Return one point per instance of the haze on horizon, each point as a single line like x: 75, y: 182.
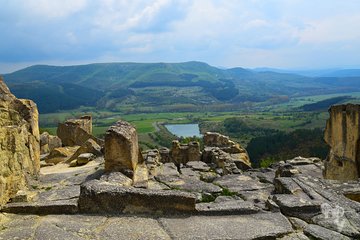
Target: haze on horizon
x: 254, y: 33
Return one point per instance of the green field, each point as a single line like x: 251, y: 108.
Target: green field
x: 285, y: 117
x: 261, y: 124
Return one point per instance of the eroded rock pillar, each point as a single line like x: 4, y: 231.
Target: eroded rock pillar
x: 121, y: 147
x: 342, y: 134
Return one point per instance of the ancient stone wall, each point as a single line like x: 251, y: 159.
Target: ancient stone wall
x: 342, y: 134
x: 19, y: 143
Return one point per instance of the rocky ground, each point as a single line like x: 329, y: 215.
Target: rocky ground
x: 288, y: 201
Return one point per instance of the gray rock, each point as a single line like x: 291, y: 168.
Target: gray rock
x: 338, y: 223
x: 221, y: 199
x: 84, y: 226
x: 258, y: 197
x: 265, y: 175
x: 294, y: 206
x: 168, y: 169
x: 48, y: 207
x: 47, y: 231
x: 17, y: 226
x: 189, y: 184
x: 208, y: 176
x: 90, y: 146
x: 238, y: 183
x: 58, y: 194
x: 303, y: 161
x: 227, y: 208
x: 286, y: 170
x: 190, y: 173
x: 297, y: 223
x: 321, y: 233
x: 313, y: 170
x: 117, y: 178
x: 133, y: 228
x: 286, y: 185
x: 198, y: 166
x: 84, y: 158
x: 102, y: 197
x: 254, y: 226
x: 294, y: 236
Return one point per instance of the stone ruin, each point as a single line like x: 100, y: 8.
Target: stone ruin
x: 114, y: 177
x: 342, y: 134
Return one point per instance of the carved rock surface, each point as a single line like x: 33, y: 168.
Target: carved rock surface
x: 342, y: 134
x: 19, y: 142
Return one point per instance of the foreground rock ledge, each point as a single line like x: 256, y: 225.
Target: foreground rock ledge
x: 101, y: 197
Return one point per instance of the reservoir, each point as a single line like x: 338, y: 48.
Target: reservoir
x: 184, y: 130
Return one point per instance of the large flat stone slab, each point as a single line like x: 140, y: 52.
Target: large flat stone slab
x: 255, y: 226
x: 103, y: 197
x: 227, y: 208
x: 321, y: 233
x: 294, y: 206
x: 238, y: 183
x: 133, y: 228
x: 79, y: 227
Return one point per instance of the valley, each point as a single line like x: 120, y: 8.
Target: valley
x: 275, y: 121
x: 251, y: 106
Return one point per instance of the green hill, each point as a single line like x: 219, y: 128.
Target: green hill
x: 143, y: 87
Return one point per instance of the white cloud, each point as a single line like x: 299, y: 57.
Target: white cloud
x: 53, y: 8
x: 332, y: 29
x: 231, y: 32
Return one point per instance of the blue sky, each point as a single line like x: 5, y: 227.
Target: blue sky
x: 299, y: 34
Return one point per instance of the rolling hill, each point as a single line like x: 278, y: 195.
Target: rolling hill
x: 142, y: 87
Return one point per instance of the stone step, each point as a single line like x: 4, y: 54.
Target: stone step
x: 43, y: 208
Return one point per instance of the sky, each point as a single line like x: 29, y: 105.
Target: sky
x: 290, y: 34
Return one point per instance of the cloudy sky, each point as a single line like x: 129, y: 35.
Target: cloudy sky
x: 300, y: 34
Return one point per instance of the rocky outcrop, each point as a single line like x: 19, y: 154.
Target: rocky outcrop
x: 227, y: 155
x: 49, y: 142
x: 19, y: 141
x: 121, y: 148
x: 75, y: 132
x: 342, y: 134
x: 212, y: 139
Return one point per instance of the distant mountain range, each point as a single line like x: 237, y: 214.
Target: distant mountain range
x: 167, y: 86
x: 333, y: 72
